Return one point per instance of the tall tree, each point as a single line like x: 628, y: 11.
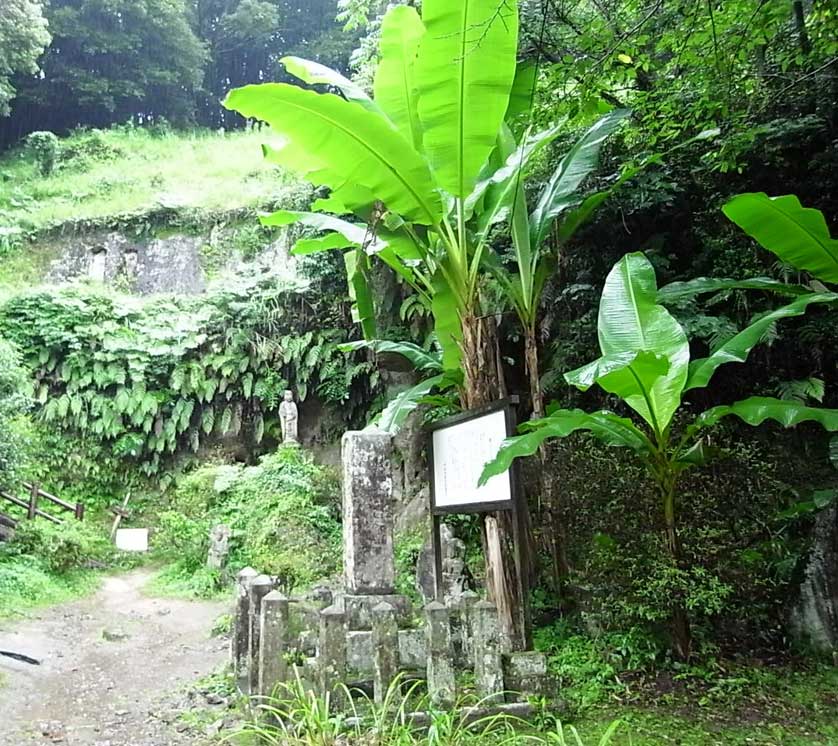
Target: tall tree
x: 113, y: 59
x: 23, y: 38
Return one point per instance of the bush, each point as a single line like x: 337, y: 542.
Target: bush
x: 283, y: 515
x: 45, y: 148
x: 59, y: 548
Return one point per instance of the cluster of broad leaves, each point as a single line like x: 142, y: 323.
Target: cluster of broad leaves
x: 646, y: 361
x: 422, y: 174
x: 159, y: 378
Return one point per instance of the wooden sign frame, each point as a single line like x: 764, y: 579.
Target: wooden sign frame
x: 515, y: 504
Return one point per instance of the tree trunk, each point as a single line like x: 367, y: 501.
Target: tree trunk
x: 800, y: 27
x: 550, y: 505
x: 483, y: 384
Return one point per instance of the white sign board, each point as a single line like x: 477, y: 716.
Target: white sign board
x: 460, y: 451
x: 132, y: 539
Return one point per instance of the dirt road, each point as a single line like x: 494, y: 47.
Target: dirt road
x: 112, y: 666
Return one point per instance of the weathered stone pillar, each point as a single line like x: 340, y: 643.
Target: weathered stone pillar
x: 385, y: 649
x: 331, y: 651
x: 273, y: 642
x: 441, y: 684
x: 368, y: 560
x: 468, y: 600
x: 240, y: 644
x: 260, y: 587
x: 488, y: 662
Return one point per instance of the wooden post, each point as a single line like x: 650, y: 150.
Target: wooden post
x: 79, y: 511
x: 33, y: 502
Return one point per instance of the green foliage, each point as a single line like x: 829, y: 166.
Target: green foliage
x: 15, y: 390
x: 60, y: 548
x: 44, y: 149
x: 23, y: 36
x: 134, y: 180
x: 296, y: 716
x: 119, y: 373
x: 283, y: 515
x: 646, y: 363
x: 110, y: 59
x: 26, y: 583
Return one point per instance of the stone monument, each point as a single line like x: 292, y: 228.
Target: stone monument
x: 368, y: 524
x: 219, y: 547
x: 288, y: 416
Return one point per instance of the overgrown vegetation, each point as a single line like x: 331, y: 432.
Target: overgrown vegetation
x: 114, y: 178
x: 118, y: 371
x: 283, y: 514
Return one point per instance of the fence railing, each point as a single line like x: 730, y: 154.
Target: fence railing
x: 35, y: 497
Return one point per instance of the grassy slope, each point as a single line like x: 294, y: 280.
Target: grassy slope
x: 202, y: 170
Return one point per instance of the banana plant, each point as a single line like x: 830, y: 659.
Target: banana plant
x: 646, y: 363
x: 426, y: 167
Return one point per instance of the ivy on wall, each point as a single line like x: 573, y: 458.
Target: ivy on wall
x: 156, y: 379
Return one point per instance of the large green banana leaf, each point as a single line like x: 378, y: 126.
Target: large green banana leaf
x: 630, y: 375
x: 608, y: 427
x: 758, y: 409
x: 421, y: 359
x: 397, y: 410
x: 465, y: 71
x: 358, y: 145
x: 499, y: 187
x: 314, y: 73
x: 676, y: 291
x: 796, y: 234
x: 447, y: 323
x: 395, y: 79
x: 363, y: 306
x: 344, y: 234
x: 579, y: 162
x: 630, y: 321
x: 738, y: 347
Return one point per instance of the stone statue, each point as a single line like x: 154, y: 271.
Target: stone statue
x: 219, y: 547
x: 288, y: 415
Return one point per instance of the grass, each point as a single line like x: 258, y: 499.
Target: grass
x: 129, y: 171
x: 25, y: 584
x: 781, y: 706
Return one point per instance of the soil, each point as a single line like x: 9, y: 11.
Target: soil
x: 114, y: 668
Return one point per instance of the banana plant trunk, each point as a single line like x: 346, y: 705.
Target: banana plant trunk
x: 484, y: 384
x: 681, y: 631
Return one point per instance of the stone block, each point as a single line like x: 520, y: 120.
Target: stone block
x: 526, y: 673
x: 413, y: 649
x: 359, y: 609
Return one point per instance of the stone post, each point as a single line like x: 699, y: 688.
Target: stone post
x: 368, y: 560
x: 331, y: 652
x: 467, y: 603
x: 441, y: 684
x: 385, y: 649
x: 260, y: 587
x: 488, y: 662
x: 273, y: 643
x: 240, y: 645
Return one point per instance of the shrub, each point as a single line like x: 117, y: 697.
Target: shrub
x: 59, y: 548
x: 45, y: 148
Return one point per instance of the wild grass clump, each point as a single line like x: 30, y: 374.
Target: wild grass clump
x: 296, y: 716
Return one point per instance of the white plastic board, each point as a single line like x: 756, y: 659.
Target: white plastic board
x: 460, y: 452
x: 132, y: 539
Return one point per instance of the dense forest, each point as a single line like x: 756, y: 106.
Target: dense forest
x: 634, y: 234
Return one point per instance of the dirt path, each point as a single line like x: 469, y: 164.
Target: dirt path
x: 111, y: 667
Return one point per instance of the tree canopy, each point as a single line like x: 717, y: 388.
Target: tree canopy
x: 23, y: 37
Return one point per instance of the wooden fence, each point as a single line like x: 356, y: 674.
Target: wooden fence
x: 30, y: 504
